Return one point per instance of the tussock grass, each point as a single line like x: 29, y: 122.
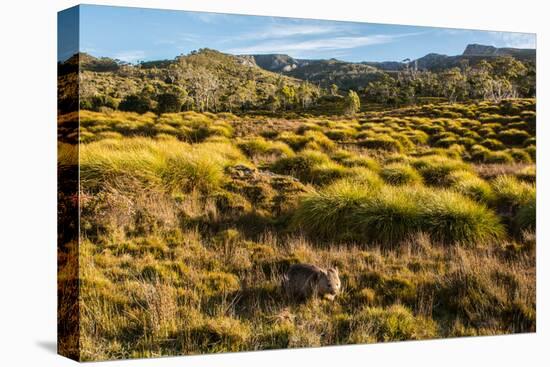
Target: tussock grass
x: 400, y: 174
x: 172, y: 165
x: 468, y: 184
x: 189, y: 221
x: 436, y: 170
x: 258, y: 147
x: 510, y: 193
x: 347, y: 212
x: 382, y: 142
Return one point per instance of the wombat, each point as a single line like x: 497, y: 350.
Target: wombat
x: 303, y: 281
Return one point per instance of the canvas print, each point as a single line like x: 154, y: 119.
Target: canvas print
x: 241, y: 183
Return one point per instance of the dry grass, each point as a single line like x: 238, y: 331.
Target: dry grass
x: 189, y: 221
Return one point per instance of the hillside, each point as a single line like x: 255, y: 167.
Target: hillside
x: 483, y: 50
x: 357, y: 75
x: 473, y: 54
x: 209, y: 80
x: 202, y: 80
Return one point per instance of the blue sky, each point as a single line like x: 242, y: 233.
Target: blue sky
x: 134, y: 34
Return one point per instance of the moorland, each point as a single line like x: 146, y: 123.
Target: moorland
x: 202, y: 179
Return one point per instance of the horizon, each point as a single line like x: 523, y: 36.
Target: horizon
x: 138, y: 35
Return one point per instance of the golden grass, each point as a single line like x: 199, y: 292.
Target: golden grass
x: 189, y: 221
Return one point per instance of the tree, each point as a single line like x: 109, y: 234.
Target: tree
x: 287, y: 94
x: 352, y: 103
x: 453, y: 84
x: 383, y: 90
x: 136, y: 103
x: 168, y: 102
x: 333, y: 89
x: 305, y: 94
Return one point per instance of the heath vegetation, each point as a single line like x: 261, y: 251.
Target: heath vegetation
x: 194, y: 205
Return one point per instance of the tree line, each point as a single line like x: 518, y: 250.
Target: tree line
x: 207, y: 80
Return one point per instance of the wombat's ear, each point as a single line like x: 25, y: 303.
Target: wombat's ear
x: 335, y: 269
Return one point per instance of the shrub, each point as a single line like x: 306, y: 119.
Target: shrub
x: 319, y: 141
x: 301, y: 164
x: 168, y: 102
x: 453, y: 218
x: 478, y: 153
x: 400, y: 174
x: 532, y: 150
x: 296, y: 142
x: 136, y: 103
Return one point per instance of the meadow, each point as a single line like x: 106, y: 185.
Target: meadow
x: 190, y: 219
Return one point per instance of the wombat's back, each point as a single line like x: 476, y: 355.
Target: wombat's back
x: 301, y: 280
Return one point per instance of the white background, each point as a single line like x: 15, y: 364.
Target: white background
x: 28, y: 181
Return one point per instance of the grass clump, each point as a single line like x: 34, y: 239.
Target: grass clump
x: 396, y: 323
x: 526, y: 217
x: 498, y: 157
x: 170, y: 165
x: 468, y: 184
x: 510, y: 193
x: 528, y: 174
x: 346, y: 211
x: 309, y: 166
x: 436, y: 169
x: 400, y: 174
x: 221, y: 334
x: 384, y: 143
x: 260, y: 147
x: 513, y: 137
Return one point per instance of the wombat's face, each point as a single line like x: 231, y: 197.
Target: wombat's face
x: 331, y: 282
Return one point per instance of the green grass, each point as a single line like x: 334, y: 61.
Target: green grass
x: 510, y: 193
x: 468, y: 184
x: 172, y: 165
x: 189, y: 221
x: 382, y: 142
x: 346, y: 211
x: 436, y: 169
x: 400, y: 174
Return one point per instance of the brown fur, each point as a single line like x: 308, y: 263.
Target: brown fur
x: 303, y: 281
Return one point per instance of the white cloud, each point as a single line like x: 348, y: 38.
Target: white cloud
x: 130, y: 55
x: 288, y: 30
x: 516, y: 40
x: 322, y: 44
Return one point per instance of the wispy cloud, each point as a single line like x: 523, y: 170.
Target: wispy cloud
x: 517, y: 40
x: 179, y: 38
x: 321, y: 44
x: 277, y: 31
x: 130, y: 55
x: 210, y: 18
